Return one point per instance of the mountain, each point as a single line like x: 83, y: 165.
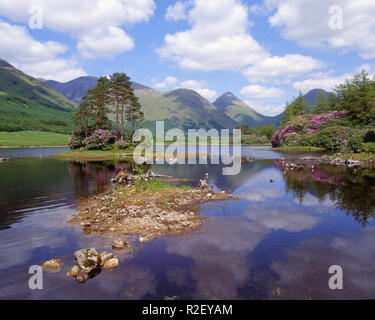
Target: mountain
x: 28, y: 104
x: 239, y: 111
x: 75, y: 89
x: 312, y: 96
x: 181, y: 108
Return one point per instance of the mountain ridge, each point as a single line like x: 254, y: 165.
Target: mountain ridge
x: 28, y: 104
x: 242, y: 113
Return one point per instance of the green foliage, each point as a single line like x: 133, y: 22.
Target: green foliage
x: 357, y: 97
x: 93, y: 111
x: 297, y: 108
x: 321, y: 105
x: 334, y: 138
x: 266, y: 130
x: 368, y: 147
x: 134, y: 113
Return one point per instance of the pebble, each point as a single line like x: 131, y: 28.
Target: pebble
x: 53, y: 266
x: 118, y: 244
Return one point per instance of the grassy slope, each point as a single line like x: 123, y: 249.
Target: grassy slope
x: 26, y: 103
x: 32, y: 138
x: 183, y: 107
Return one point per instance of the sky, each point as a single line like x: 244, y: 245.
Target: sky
x: 265, y: 51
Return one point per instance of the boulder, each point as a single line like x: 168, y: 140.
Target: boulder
x: 87, y: 259
x: 53, y: 266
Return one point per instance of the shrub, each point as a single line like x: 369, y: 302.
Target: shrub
x: 255, y: 139
x: 368, y: 147
x: 76, y: 140
x: 99, y: 140
x: 121, y: 145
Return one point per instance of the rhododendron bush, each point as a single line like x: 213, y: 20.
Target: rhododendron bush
x: 322, y: 131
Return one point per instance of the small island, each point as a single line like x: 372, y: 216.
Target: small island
x: 144, y: 205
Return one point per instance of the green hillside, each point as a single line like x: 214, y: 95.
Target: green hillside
x: 32, y: 138
x: 28, y: 104
x: 239, y: 111
x: 182, y: 108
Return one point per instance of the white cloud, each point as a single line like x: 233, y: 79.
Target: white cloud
x: 177, y: 11
x: 260, y: 92
x: 86, y: 20
x: 39, y: 59
x: 218, y: 38
x: 168, y: 82
x: 267, y: 109
x: 281, y: 68
x: 199, y: 86
x: 108, y: 44
x: 307, y: 22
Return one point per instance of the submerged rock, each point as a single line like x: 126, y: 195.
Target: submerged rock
x: 53, y: 266
x: 111, y: 263
x: 87, y: 259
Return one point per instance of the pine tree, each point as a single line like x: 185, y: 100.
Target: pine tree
x: 321, y: 105
x: 83, y: 116
x: 134, y: 113
x: 100, y: 98
x: 357, y: 97
x: 120, y: 87
x: 297, y: 108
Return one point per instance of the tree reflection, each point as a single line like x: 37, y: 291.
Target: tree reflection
x: 94, y: 176
x: 350, y: 189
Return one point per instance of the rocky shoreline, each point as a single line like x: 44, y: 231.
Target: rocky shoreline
x: 127, y: 209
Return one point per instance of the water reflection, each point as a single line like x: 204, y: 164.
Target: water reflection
x: 351, y: 190
x: 276, y: 242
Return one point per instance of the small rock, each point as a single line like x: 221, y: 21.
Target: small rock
x: 82, y: 276
x: 111, y: 263
x: 74, y: 271
x: 141, y: 239
x: 105, y: 256
x: 53, y: 266
x: 209, y: 195
x: 118, y: 244
x: 203, y: 184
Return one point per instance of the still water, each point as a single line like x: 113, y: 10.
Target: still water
x: 277, y: 242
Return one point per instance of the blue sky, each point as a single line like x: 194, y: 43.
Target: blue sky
x: 263, y: 51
